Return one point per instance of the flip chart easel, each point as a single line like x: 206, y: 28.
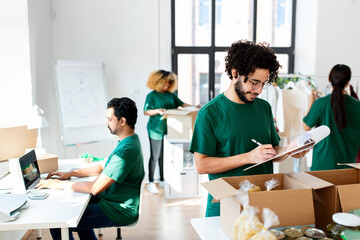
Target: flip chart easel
x: 82, y: 99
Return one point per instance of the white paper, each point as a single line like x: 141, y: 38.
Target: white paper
x: 303, y: 142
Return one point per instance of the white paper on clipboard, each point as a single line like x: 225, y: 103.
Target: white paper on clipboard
x: 303, y: 142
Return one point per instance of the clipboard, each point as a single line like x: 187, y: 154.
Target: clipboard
x: 286, y: 154
x: 305, y: 141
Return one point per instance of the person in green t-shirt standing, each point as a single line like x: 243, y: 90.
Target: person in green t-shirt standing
x: 224, y: 128
x: 163, y: 96
x: 341, y: 113
x: 116, y: 190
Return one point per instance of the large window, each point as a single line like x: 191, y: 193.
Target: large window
x: 202, y: 30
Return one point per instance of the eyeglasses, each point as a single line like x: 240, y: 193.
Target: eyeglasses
x: 256, y: 84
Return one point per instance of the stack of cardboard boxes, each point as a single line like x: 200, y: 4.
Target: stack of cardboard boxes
x: 15, y: 140
x: 335, y: 191
x: 307, y: 198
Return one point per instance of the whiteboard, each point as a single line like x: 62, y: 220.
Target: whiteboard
x: 82, y: 101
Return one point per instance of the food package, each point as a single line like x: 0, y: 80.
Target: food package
x: 241, y: 193
x: 246, y: 185
x: 271, y: 184
x: 254, y: 188
x: 270, y: 219
x: 247, y: 224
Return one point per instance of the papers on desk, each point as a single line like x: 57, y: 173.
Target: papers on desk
x: 10, y: 205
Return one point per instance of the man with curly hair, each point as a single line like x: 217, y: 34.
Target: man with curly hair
x: 225, y: 126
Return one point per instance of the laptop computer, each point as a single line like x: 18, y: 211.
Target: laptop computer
x: 29, y: 170
x: 31, y: 174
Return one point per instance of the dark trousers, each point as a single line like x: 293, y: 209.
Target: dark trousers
x: 93, y: 217
x: 156, y: 155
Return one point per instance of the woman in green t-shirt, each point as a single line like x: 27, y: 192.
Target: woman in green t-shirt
x: 341, y: 113
x: 163, y: 96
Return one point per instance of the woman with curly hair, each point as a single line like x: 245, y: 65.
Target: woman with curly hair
x: 224, y: 128
x: 164, y: 85
x: 341, y: 113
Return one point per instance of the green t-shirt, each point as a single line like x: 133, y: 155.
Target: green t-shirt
x: 224, y: 128
x: 154, y: 100
x: 120, y: 202
x: 340, y: 146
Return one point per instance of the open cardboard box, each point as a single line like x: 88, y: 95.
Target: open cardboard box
x: 339, y: 191
x: 292, y: 201
x: 180, y: 122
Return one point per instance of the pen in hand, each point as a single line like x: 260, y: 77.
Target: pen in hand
x: 256, y: 142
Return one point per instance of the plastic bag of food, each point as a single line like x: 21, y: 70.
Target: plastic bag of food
x: 247, y: 224
x: 271, y: 184
x: 270, y: 219
x: 241, y: 193
x: 247, y: 186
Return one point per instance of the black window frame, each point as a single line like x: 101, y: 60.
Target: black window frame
x: 212, y: 49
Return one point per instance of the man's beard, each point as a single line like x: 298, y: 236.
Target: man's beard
x: 111, y: 130
x: 241, y: 93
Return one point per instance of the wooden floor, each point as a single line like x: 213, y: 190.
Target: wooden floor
x: 161, y: 219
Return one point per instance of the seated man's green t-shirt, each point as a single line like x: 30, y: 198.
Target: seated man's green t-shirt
x: 224, y: 128
x: 120, y: 202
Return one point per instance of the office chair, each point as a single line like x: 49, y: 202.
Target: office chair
x: 134, y: 224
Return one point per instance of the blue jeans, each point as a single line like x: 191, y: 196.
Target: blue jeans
x: 93, y: 217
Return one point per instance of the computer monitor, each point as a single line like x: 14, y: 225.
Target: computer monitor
x: 29, y: 170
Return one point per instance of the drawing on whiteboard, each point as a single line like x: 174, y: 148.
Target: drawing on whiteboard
x: 83, y: 102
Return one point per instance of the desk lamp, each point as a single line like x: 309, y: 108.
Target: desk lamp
x: 36, y: 120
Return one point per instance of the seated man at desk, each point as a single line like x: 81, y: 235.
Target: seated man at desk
x: 116, y: 190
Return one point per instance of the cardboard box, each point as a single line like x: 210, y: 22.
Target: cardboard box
x: 292, y: 201
x: 14, y: 141
x: 338, y: 191
x: 47, y: 162
x: 180, y: 123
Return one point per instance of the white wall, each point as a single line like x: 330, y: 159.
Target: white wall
x: 132, y: 37
x: 305, y: 37
x: 327, y: 33
x: 41, y: 48
x: 338, y: 35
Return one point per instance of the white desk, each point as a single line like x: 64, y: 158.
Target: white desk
x: 61, y: 209
x: 209, y: 228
